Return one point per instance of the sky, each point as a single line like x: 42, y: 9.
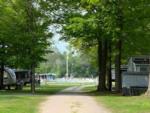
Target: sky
x: 59, y: 44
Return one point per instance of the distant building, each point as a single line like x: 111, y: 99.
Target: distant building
x: 47, y: 76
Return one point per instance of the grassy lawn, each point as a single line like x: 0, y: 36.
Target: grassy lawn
x: 23, y: 102
x: 121, y: 104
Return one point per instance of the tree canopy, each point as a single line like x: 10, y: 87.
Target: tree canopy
x: 104, y: 31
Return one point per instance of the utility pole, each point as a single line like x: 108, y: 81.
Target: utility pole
x: 67, y: 65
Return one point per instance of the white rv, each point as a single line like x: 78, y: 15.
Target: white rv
x: 137, y: 74
x: 16, y: 78
x: 9, y: 77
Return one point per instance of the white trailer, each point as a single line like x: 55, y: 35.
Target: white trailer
x: 137, y: 75
x: 9, y: 77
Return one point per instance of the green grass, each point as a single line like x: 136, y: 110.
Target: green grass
x: 121, y: 104
x: 19, y: 104
x: 23, y: 101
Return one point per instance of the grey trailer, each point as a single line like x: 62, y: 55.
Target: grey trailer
x: 23, y: 76
x: 135, y: 80
x: 9, y: 77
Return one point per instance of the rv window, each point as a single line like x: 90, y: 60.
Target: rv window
x: 5, y: 75
x: 141, y: 60
x: 144, y: 69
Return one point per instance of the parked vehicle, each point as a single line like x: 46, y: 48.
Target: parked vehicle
x: 17, y: 78
x: 23, y: 76
x: 9, y: 77
x: 135, y: 80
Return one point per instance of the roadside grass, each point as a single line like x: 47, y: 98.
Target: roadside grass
x: 19, y: 104
x: 12, y: 101
x: 46, y: 89
x: 120, y: 104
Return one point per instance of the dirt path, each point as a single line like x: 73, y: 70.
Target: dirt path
x: 71, y: 100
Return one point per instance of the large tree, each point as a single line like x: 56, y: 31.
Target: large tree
x: 109, y: 23
x: 24, y: 33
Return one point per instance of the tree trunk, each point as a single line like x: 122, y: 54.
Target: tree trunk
x: 109, y: 75
x: 119, y: 34
x: 100, y: 85
x: 31, y: 28
x: 148, y: 89
x: 1, y: 75
x: 32, y: 79
x: 2, y: 66
x: 102, y: 65
x: 105, y: 60
x: 118, y: 78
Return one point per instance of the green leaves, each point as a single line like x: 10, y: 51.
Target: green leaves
x: 127, y: 20
x: 16, y: 36
x: 91, y: 1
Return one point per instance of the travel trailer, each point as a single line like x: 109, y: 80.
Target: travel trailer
x: 23, y: 76
x: 137, y: 75
x: 9, y: 77
x: 17, y: 78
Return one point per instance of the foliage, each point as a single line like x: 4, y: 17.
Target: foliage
x: 20, y: 49
x: 115, y: 23
x: 79, y: 65
x: 91, y: 26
